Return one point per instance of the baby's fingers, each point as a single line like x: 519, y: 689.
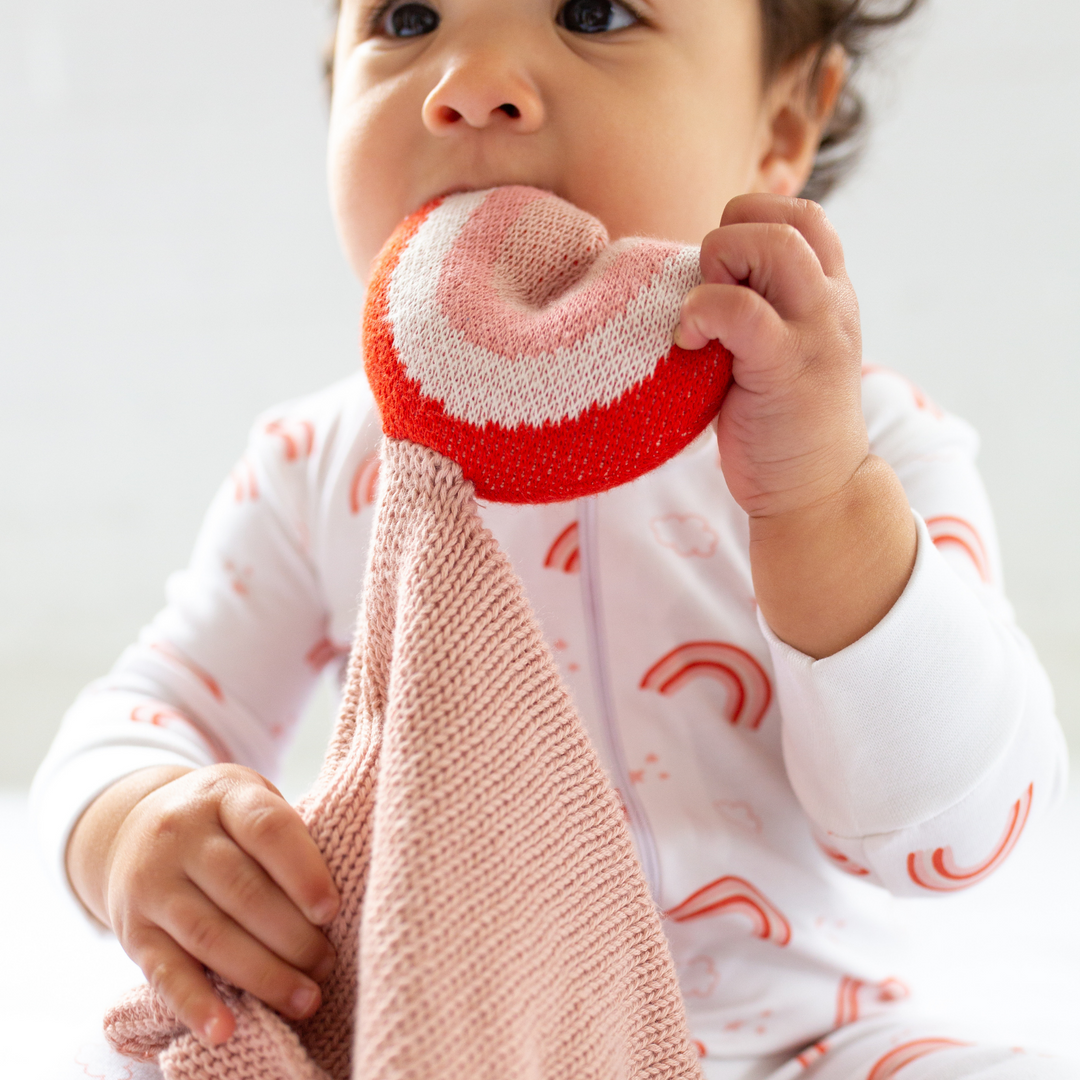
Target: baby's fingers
x: 801, y: 214
x: 265, y: 826
x: 235, y: 883
x: 181, y: 983
x: 213, y: 939
x: 735, y: 316
x: 774, y: 259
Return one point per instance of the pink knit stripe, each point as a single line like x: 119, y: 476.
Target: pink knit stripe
x: 529, y: 273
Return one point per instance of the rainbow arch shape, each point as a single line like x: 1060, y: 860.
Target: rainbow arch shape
x: 365, y: 484
x: 748, y: 686
x: 735, y: 896
x: 565, y: 553
x: 888, y: 1066
x: 948, y: 531
x: 938, y: 871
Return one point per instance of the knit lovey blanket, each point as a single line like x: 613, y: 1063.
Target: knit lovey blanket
x: 495, y: 923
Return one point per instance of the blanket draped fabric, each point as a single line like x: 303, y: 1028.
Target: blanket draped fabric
x: 495, y: 922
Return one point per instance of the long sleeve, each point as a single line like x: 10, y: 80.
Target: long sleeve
x: 224, y: 671
x: 921, y: 751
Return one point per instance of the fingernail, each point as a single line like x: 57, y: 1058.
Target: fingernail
x: 323, y: 911
x: 213, y: 1030
x: 303, y: 1000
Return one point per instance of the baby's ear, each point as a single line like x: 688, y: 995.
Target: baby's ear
x: 797, y: 107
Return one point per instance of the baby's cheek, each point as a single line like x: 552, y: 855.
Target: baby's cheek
x: 370, y: 172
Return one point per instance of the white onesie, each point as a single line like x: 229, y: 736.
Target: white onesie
x: 775, y: 801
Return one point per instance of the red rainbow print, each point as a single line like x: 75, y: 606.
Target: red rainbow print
x: 812, y: 1054
x: 699, y: 1046
x: 937, y: 870
x: 853, y: 995
x: 364, y: 485
x: 904, y: 1054
x: 749, y: 691
x: 565, y: 553
x: 100, y: 1056
x: 238, y: 577
x: 245, y: 486
x: 842, y: 862
x: 735, y: 896
x: 297, y: 437
x: 178, y: 658
x: 947, y: 531
x: 323, y: 652
x: 165, y: 716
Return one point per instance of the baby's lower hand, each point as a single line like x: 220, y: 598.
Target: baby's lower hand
x: 215, y: 868
x: 791, y: 431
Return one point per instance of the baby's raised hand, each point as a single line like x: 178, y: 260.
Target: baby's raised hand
x: 776, y: 293
x: 215, y: 868
x: 832, y: 537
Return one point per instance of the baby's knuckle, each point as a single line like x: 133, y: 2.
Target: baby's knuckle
x: 813, y: 211
x: 785, y: 234
x: 218, y: 855
x: 202, y: 933
x: 266, y: 824
x: 136, y: 938
x: 165, y: 974
x: 247, y: 887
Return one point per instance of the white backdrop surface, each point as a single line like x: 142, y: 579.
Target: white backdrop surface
x: 168, y: 269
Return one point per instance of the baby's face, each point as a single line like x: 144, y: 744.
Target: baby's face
x: 648, y: 114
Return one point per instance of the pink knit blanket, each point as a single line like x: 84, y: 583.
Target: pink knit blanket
x: 495, y: 923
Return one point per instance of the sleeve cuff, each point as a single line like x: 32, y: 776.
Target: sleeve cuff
x: 904, y: 722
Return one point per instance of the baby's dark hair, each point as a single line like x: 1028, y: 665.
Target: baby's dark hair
x: 793, y: 28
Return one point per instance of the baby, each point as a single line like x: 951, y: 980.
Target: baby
x: 794, y: 659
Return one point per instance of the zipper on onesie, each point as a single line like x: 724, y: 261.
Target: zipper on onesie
x: 592, y: 600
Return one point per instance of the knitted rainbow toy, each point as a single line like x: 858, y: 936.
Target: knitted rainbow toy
x: 495, y: 923
x: 538, y: 357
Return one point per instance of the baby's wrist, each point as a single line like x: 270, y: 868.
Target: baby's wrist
x: 827, y: 574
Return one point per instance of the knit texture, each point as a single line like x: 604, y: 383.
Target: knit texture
x: 495, y: 923
x: 503, y: 330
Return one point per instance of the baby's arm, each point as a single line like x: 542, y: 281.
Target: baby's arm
x: 918, y: 726
x: 190, y: 859
x: 927, y: 748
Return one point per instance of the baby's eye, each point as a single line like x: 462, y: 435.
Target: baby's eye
x: 409, y: 20
x: 595, y: 16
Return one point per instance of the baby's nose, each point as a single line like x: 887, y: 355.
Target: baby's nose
x: 483, y: 90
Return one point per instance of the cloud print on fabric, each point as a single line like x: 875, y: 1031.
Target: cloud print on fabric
x: 686, y: 534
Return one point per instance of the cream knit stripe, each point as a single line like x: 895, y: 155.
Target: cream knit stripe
x: 506, y: 931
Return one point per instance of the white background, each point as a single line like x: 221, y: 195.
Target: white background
x: 168, y: 269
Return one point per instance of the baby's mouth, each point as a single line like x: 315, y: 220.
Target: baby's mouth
x: 458, y: 189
